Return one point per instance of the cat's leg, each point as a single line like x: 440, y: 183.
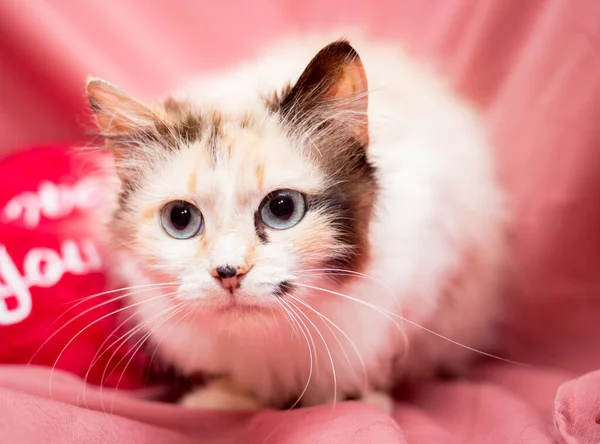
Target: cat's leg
x: 220, y: 394
x: 377, y: 398
x: 381, y: 400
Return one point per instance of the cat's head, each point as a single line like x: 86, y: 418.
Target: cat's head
x: 244, y: 208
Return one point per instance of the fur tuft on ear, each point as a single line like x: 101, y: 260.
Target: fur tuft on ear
x: 333, y: 86
x: 134, y: 132
x: 115, y: 111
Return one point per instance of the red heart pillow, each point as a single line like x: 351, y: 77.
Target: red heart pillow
x: 51, y: 266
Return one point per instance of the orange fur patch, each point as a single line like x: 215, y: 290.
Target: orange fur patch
x: 202, y: 246
x: 192, y: 182
x: 149, y: 213
x: 260, y: 175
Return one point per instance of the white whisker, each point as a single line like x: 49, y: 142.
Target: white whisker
x: 116, y: 290
x: 296, y: 319
x: 83, y: 313
x: 326, y: 349
x: 389, y: 313
x: 136, y: 347
x: 123, y: 338
x: 327, y: 320
x: 348, y: 272
x: 98, y: 355
x: 95, y: 321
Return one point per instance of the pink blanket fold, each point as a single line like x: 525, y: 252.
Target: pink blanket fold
x: 577, y: 409
x: 501, y: 403
x: 532, y: 67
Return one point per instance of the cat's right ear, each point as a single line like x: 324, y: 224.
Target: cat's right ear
x: 115, y: 111
x: 125, y: 124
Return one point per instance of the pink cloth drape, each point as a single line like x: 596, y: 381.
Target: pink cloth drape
x: 533, y: 67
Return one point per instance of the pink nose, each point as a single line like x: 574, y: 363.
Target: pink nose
x: 229, y: 276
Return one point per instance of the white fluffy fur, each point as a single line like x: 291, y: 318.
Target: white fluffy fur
x: 437, y: 246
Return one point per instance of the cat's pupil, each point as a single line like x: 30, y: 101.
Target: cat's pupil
x: 180, y: 216
x: 282, y: 207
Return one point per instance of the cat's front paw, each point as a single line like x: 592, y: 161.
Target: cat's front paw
x: 219, y: 395
x: 381, y: 400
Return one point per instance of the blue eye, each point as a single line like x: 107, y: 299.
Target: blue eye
x: 283, y: 209
x: 181, y: 219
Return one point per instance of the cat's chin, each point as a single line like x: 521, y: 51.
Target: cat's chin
x: 237, y: 307
x: 238, y: 315
x: 243, y: 308
x: 215, y: 303
x: 238, y: 302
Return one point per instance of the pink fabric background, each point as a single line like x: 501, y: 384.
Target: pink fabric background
x: 532, y: 66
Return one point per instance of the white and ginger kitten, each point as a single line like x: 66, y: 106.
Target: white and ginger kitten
x: 293, y: 224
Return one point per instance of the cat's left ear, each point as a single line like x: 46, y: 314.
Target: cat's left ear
x: 333, y: 86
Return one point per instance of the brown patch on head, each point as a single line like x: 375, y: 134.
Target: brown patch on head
x: 216, y: 133
x: 246, y: 120
x: 182, y: 124
x: 186, y: 128
x: 216, y: 120
x: 273, y: 101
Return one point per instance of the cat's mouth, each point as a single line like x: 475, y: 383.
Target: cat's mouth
x: 280, y: 290
x: 239, y: 301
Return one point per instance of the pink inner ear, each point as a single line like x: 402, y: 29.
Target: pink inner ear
x: 334, y: 80
x: 352, y: 84
x: 335, y: 70
x: 351, y: 94
x: 114, y: 110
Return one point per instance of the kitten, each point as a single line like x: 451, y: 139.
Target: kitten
x: 293, y: 224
